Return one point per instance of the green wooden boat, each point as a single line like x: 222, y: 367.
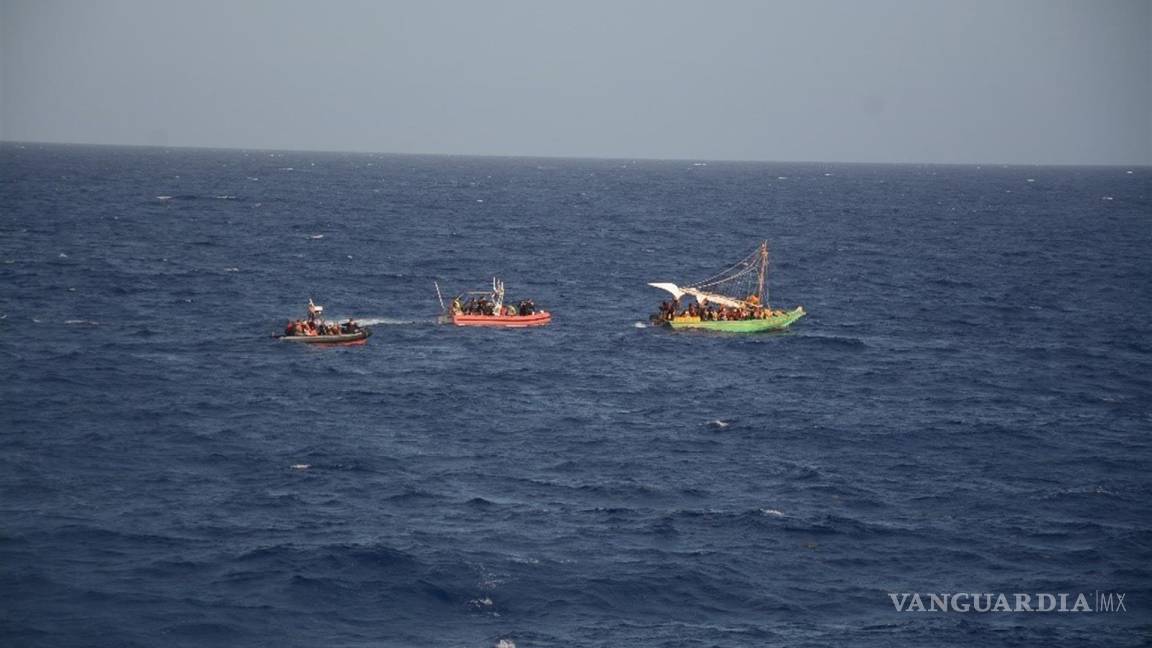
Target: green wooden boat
x: 779, y: 320
x: 733, y: 301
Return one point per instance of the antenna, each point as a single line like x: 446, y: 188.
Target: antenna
x: 439, y: 296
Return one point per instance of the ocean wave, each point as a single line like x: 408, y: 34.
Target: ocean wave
x: 179, y: 197
x: 372, y: 557
x: 844, y: 341
x: 204, y: 630
x: 1074, y: 491
x: 412, y: 496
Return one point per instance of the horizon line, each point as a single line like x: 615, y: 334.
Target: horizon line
x: 571, y: 157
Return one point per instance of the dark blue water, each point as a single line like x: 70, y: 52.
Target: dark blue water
x: 967, y: 408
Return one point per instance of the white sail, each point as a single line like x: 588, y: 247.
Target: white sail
x: 670, y: 287
x: 713, y: 298
x: 701, y: 296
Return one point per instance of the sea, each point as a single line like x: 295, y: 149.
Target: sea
x: 965, y: 410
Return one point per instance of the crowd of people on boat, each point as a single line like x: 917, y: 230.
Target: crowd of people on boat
x: 485, y: 306
x: 709, y: 312
x: 311, y: 326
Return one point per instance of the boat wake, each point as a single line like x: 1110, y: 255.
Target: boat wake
x: 392, y: 321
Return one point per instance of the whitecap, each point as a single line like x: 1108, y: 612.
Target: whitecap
x: 316, y: 237
x: 63, y: 256
x: 639, y: 325
x: 163, y: 197
x: 771, y: 512
x: 719, y: 423
x: 301, y: 466
x: 1031, y: 180
x: 781, y: 177
x: 1107, y: 198
x: 74, y: 322
x: 505, y: 643
x: 231, y: 269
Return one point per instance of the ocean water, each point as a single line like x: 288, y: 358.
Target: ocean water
x: 967, y: 407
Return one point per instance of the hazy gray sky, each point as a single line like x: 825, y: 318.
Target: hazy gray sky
x: 1020, y: 81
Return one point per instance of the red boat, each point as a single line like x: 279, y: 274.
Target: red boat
x: 488, y: 308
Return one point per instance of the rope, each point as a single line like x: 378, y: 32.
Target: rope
x: 745, y: 265
x: 738, y: 281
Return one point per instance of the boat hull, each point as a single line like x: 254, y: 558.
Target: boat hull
x: 775, y: 323
x: 539, y: 318
x: 344, y: 338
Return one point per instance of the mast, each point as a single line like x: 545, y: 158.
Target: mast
x: 497, y: 295
x: 763, y: 269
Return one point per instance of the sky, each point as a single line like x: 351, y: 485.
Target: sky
x: 979, y: 81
